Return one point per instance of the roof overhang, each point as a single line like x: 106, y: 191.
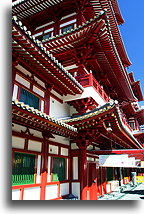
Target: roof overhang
x: 30, y: 117
x: 101, y: 117
x: 113, y: 14
x: 97, y: 32
x: 34, y: 54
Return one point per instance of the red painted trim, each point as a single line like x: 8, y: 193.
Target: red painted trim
x: 59, y: 198
x: 59, y: 144
x: 33, y: 82
x: 55, y: 155
x: 21, y: 193
x: 25, y: 186
x: 47, y: 102
x: 26, y: 145
x: 28, y: 89
x: 26, y: 151
x: 23, y: 135
x: 58, y: 195
x: 44, y: 170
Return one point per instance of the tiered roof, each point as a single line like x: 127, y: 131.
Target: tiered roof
x: 36, y: 55
x: 98, y: 32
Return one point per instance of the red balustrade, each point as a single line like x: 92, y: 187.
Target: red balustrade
x: 89, y: 80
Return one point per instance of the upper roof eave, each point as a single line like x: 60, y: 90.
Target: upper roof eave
x: 48, y: 55
x: 101, y: 5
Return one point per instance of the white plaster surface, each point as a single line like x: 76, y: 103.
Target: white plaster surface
x: 64, y: 189
x: 22, y: 81
x: 34, y: 145
x: 18, y: 142
x: 64, y: 151
x: 76, y: 189
x: 58, y: 110
x: 32, y: 193
x: 16, y: 194
x: 75, y: 168
x: 53, y: 149
x: 51, y: 191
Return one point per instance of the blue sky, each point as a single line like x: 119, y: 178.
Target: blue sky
x: 132, y: 32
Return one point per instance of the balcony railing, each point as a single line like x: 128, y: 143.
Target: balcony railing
x: 88, y: 80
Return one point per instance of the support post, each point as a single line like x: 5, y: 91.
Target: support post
x: 83, y: 174
x: 44, y: 168
x: 47, y: 99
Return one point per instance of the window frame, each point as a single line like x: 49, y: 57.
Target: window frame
x: 31, y: 92
x: 32, y: 179
x: 65, y: 170
x: 44, y: 34
x: 62, y: 28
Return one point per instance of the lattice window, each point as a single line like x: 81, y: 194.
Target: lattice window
x: 23, y: 171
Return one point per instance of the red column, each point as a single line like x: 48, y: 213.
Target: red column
x: 83, y: 174
x: 44, y: 169
x: 93, y: 181
x: 47, y: 99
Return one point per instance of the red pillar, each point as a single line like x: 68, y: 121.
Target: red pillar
x: 93, y: 181
x: 47, y: 99
x: 44, y: 169
x: 83, y: 174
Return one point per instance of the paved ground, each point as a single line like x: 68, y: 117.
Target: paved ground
x: 127, y: 192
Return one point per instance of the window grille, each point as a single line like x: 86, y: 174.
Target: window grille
x: 23, y: 169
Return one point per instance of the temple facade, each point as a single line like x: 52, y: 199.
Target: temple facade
x: 76, y: 118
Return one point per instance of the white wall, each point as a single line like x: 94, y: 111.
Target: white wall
x: 16, y: 194
x: 64, y: 151
x: 60, y: 139
x: 18, y: 142
x: 64, y: 189
x: 32, y: 193
x: 58, y: 110
x: 76, y: 189
x: 75, y: 168
x: 51, y: 191
x: 38, y: 177
x: 53, y: 149
x: 34, y: 145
